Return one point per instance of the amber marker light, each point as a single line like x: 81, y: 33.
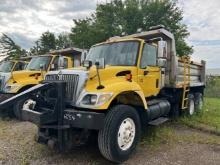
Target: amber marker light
x: 128, y: 77
x: 36, y: 76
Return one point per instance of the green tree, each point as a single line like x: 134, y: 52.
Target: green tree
x: 127, y: 16
x: 9, y: 47
x: 46, y: 43
x: 85, y: 33
x: 63, y: 41
x: 35, y: 50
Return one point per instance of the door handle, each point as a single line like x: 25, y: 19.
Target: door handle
x: 146, y: 72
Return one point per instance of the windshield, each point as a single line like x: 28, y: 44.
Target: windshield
x: 115, y: 54
x: 6, y: 66
x: 37, y: 62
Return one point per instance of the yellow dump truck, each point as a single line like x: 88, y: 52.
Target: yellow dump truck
x: 9, y: 66
x: 21, y: 80
x: 126, y: 83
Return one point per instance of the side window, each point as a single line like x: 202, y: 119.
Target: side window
x: 19, y: 66
x: 65, y: 63
x: 149, y: 56
x: 54, y: 65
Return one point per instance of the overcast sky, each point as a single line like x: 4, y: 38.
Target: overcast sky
x: 26, y: 20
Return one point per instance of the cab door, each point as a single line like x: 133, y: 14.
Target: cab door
x: 148, y: 72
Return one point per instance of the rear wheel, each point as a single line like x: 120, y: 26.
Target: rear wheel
x: 199, y: 102
x: 191, y: 105
x: 121, y: 133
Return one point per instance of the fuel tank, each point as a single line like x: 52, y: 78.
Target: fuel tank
x: 158, y: 108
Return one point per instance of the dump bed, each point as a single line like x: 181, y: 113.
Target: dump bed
x: 190, y: 71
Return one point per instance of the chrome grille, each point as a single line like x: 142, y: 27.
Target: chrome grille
x: 52, y: 77
x: 71, y: 84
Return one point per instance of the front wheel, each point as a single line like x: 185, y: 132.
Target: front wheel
x: 23, y: 104
x: 121, y: 133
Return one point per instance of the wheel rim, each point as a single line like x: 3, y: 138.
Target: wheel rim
x: 126, y: 134
x: 29, y: 104
x: 191, y: 107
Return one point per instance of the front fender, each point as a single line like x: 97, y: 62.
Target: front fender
x: 21, y: 85
x: 118, y: 88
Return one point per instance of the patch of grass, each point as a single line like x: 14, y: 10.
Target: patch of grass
x: 155, y: 136
x: 213, y: 87
x: 209, y: 118
x: 198, y: 138
x: 170, y: 135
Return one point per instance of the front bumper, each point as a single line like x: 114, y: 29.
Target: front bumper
x: 72, y: 118
x: 84, y: 119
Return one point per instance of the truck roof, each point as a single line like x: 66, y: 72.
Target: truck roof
x: 146, y: 35
x: 67, y: 51
x: 163, y: 33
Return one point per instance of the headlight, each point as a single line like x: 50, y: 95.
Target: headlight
x: 95, y: 99
x: 10, y: 88
x: 89, y: 99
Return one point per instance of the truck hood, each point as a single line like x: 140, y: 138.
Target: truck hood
x: 108, y: 74
x: 24, y: 75
x: 80, y: 80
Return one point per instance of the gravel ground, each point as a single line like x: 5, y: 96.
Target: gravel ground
x: 18, y: 147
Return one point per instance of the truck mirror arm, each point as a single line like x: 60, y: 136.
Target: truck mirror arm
x: 100, y: 86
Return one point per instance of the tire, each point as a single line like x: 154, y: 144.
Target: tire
x: 110, y: 139
x: 198, y: 102
x: 17, y: 108
x: 191, y: 105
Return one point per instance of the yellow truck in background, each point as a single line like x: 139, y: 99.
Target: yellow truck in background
x: 125, y: 83
x: 7, y: 67
x: 35, y: 71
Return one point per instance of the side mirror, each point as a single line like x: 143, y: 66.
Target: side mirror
x: 161, y: 62
x: 100, y: 63
x: 42, y: 67
x: 162, y: 49
x: 52, y: 66
x: 83, y: 56
x: 87, y: 64
x: 61, y: 62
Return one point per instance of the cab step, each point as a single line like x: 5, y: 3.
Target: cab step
x: 158, y: 121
